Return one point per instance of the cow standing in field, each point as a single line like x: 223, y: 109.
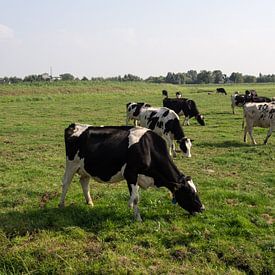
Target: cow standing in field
x: 238, y: 100
x: 164, y: 122
x: 183, y: 106
x: 136, y: 154
x: 259, y: 115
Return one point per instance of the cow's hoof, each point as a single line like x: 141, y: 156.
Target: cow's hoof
x: 90, y: 203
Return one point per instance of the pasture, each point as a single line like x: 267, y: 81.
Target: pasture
x: 235, y: 235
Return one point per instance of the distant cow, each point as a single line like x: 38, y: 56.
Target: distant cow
x: 221, y: 91
x: 136, y: 154
x: 164, y: 122
x: 259, y: 115
x: 133, y: 110
x: 183, y: 106
x: 238, y: 100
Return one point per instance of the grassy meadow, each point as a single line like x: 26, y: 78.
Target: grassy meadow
x: 235, y: 235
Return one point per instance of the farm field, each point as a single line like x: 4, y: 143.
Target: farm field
x: 235, y: 235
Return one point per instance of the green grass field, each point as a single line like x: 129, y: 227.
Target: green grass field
x: 235, y: 235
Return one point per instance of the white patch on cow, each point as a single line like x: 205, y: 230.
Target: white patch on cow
x: 145, y: 182
x: 136, y: 134
x: 79, y: 129
x: 192, y: 185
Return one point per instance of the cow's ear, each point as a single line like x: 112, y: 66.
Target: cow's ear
x: 192, y: 140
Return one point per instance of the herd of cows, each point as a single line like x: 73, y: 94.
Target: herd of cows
x: 141, y: 155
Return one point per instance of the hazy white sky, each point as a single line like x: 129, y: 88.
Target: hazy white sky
x: 142, y: 37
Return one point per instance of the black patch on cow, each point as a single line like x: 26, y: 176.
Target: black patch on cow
x: 138, y: 107
x: 152, y: 120
x: 173, y: 126
x: 165, y: 113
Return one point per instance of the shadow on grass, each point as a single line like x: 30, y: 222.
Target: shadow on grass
x: 91, y: 219
x: 224, y: 144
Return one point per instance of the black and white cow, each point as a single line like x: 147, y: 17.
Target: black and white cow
x: 238, y: 100
x: 164, y: 122
x: 259, y: 115
x: 221, y: 91
x: 133, y: 110
x: 136, y: 154
x: 183, y: 106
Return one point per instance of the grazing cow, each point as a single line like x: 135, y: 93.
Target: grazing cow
x: 259, y: 115
x: 238, y: 100
x: 221, y: 91
x: 136, y: 154
x: 166, y: 123
x: 133, y: 110
x: 183, y: 106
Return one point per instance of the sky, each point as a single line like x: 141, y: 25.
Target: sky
x: 106, y: 38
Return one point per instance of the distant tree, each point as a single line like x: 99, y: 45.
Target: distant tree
x: 66, y: 76
x: 155, y: 79
x: 236, y: 77
x: 14, y: 79
x: 84, y: 78
x: 192, y: 74
x: 204, y: 77
x: 30, y: 78
x: 249, y: 79
x: 175, y: 78
x: 218, y: 76
x: 131, y: 77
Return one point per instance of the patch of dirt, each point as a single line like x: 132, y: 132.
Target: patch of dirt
x: 232, y: 202
x: 269, y: 219
x: 46, y: 197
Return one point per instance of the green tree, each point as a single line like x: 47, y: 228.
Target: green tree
x: 236, y: 77
x: 218, y: 76
x: 204, y: 77
x: 66, y: 76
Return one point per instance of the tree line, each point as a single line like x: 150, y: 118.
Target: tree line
x: 189, y: 77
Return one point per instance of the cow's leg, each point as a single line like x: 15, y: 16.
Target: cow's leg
x: 134, y: 199
x: 131, y: 178
x: 250, y: 132
x: 268, y: 134
x: 174, y: 149
x: 245, y: 133
x: 186, y: 120
x: 70, y: 170
x: 233, y: 109
x: 171, y: 146
x: 84, y: 180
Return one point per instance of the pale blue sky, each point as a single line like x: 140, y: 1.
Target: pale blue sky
x: 142, y: 37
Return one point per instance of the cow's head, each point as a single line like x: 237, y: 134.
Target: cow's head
x: 185, y: 145
x: 187, y: 197
x: 200, y: 119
